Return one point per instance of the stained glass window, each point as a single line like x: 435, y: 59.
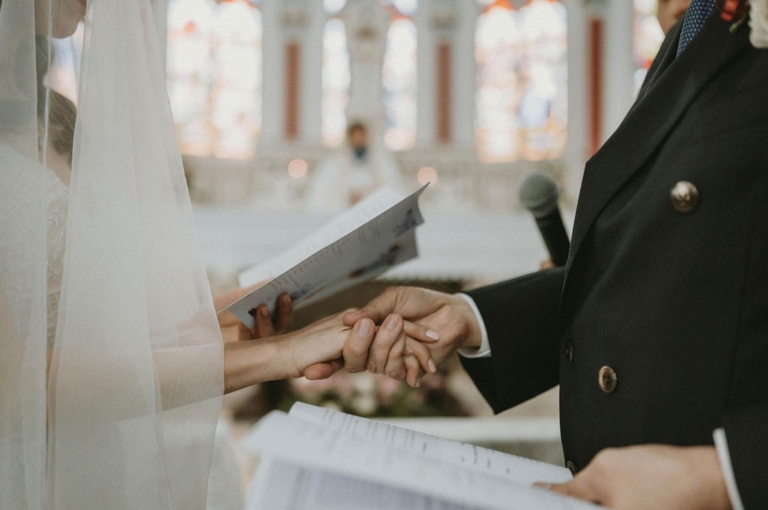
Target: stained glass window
x: 522, y: 81
x: 648, y: 38
x: 214, y: 76
x: 399, y: 81
x: 335, y: 82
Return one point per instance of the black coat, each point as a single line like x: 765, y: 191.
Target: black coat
x: 674, y: 301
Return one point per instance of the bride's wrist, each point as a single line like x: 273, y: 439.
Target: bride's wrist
x: 251, y: 362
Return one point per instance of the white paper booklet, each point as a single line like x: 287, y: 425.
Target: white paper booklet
x: 376, y: 234
x: 319, y: 459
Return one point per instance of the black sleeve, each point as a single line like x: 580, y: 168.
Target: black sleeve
x: 522, y: 320
x: 747, y: 434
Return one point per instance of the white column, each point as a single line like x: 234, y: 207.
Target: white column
x: 464, y: 79
x: 273, y: 68
x: 425, y: 74
x: 578, y: 96
x: 367, y: 24
x: 619, y: 64
x: 312, y: 75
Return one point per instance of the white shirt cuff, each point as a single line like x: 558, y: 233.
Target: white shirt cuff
x: 721, y: 444
x: 485, y: 345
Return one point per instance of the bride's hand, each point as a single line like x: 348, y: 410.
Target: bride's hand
x: 263, y: 326
x: 318, y: 346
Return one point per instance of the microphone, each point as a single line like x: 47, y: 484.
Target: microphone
x: 538, y: 193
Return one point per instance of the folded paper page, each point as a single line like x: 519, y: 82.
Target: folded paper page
x: 312, y: 447
x: 375, y: 235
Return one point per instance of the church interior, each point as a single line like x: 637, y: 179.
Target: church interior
x: 288, y: 112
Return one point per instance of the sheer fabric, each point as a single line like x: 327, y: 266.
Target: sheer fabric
x: 128, y: 415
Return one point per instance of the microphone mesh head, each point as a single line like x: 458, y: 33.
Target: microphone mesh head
x: 538, y: 192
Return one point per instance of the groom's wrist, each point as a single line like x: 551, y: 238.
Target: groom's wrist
x: 476, y: 343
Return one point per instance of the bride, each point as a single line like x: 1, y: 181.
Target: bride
x: 112, y: 358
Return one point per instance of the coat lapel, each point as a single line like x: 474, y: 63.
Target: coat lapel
x: 663, y: 59
x: 667, y: 96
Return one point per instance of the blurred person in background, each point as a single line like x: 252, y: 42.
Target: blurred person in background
x: 352, y: 172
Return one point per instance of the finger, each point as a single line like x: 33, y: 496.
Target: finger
x: 421, y: 333
x: 284, y: 313
x: 377, y: 310
x: 395, y: 367
x: 323, y: 370
x: 413, y: 371
x: 581, y: 487
x: 383, y: 342
x: 243, y: 333
x: 355, y: 352
x: 263, y: 326
x: 422, y: 354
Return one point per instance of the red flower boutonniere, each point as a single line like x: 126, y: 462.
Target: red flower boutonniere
x: 732, y: 10
x: 736, y: 11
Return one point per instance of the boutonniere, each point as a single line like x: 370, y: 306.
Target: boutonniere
x: 736, y: 11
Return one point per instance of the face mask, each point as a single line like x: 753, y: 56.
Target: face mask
x: 360, y: 152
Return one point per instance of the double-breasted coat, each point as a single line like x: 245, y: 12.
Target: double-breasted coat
x: 657, y: 328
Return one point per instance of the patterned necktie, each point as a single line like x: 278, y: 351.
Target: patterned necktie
x: 695, y: 17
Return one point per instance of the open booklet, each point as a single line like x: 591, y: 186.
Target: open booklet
x: 376, y: 234
x: 319, y: 459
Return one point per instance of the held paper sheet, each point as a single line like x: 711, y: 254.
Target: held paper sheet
x: 484, y: 460
x: 373, y: 236
x: 311, y: 448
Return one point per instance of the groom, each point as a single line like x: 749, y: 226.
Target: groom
x: 657, y: 328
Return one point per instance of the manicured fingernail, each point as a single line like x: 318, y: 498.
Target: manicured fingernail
x: 264, y: 311
x: 418, y: 383
x: 408, y: 350
x: 434, y: 335
x: 363, y: 328
x: 391, y: 322
x: 432, y: 367
x: 286, y: 299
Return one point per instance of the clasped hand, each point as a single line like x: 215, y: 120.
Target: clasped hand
x: 404, y: 333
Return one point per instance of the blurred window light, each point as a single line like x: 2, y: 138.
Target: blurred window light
x: 399, y: 84
x: 648, y: 37
x: 215, y: 76
x: 66, y: 56
x: 522, y: 85
x: 335, y: 82
x: 297, y: 168
x: 426, y: 175
x: 333, y: 6
x: 407, y: 7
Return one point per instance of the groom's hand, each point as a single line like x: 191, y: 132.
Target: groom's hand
x: 441, y: 322
x: 652, y: 476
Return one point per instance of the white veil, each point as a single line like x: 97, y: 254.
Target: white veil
x: 132, y: 396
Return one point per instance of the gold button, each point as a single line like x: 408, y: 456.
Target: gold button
x: 685, y: 196
x: 607, y: 379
